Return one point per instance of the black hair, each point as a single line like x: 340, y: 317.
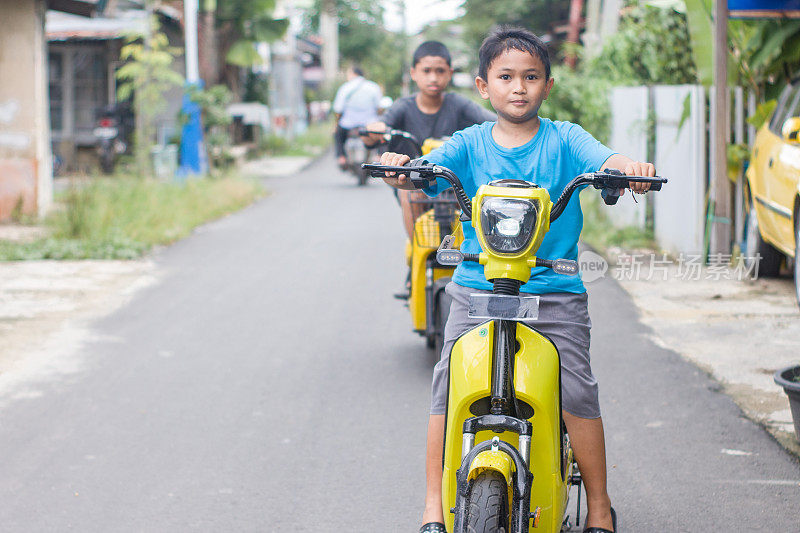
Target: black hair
x: 505, y: 38
x: 358, y: 71
x: 430, y: 48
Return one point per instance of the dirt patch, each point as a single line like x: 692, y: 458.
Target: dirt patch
x: 45, y: 309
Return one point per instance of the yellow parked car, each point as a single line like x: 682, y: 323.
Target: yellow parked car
x: 772, y: 195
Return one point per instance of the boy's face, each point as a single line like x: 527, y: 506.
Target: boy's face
x: 432, y: 75
x: 515, y: 85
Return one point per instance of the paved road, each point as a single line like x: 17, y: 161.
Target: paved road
x: 269, y: 382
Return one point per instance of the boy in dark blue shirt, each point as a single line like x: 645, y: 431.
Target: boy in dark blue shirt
x: 514, y: 75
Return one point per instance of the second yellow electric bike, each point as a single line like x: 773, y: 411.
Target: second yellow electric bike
x: 507, y: 459
x: 428, y: 303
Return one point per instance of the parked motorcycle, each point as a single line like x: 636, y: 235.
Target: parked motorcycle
x: 505, y: 439
x: 110, y: 135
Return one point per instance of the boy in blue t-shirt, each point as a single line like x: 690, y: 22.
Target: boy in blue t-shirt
x: 514, y: 75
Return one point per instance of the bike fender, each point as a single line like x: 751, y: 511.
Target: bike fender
x: 492, y: 460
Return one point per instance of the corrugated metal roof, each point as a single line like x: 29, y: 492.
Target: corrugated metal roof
x: 85, y: 8
x: 63, y: 26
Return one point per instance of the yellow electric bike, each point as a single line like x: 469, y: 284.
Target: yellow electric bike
x: 434, y: 219
x: 508, y: 464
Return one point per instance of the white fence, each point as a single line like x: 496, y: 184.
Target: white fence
x: 680, y: 152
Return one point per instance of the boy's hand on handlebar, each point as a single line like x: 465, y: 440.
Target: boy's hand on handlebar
x: 400, y: 181
x: 636, y: 168
x: 373, y: 138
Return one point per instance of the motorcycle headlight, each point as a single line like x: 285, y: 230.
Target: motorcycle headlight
x: 508, y: 223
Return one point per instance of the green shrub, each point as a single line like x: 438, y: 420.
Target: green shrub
x: 577, y: 99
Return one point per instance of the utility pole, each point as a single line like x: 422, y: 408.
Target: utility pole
x: 405, y: 89
x: 190, y: 37
x: 720, y: 186
x: 591, y: 36
x: 575, y: 11
x: 207, y: 44
x: 329, y: 31
x: 193, y: 159
x: 286, y: 77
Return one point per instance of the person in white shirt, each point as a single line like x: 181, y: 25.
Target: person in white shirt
x: 355, y: 105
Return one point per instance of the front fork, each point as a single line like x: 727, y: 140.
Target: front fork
x: 522, y: 477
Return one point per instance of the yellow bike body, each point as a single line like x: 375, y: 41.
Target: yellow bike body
x: 537, y: 383
x: 537, y: 386
x: 425, y: 272
x: 427, y: 277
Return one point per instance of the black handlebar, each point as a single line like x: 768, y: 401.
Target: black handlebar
x: 390, y: 133
x: 422, y: 175
x: 610, y: 181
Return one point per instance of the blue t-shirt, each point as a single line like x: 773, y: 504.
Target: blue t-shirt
x: 557, y: 153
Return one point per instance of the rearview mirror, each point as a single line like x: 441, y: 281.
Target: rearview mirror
x: 790, y: 130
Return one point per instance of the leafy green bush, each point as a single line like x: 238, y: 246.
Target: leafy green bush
x: 579, y: 99
x: 651, y: 47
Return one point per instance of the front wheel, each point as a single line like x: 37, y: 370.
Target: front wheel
x: 797, y: 257
x: 755, y: 246
x: 487, y: 504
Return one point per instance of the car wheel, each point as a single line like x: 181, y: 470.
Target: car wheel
x: 797, y: 257
x: 754, y: 245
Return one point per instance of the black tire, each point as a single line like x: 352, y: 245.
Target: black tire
x: 430, y: 340
x: 754, y: 244
x: 107, y: 161
x: 797, y: 256
x: 363, y: 176
x: 487, y: 504
x: 440, y: 318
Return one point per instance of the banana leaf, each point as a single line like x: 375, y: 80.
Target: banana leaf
x: 243, y: 54
x: 267, y: 29
x: 698, y: 16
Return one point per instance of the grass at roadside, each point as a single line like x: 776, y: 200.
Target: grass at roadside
x: 599, y: 233
x: 313, y: 141
x: 122, y: 218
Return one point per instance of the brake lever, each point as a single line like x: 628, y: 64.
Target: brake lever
x: 610, y: 196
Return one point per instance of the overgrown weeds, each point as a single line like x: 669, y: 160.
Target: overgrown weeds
x: 123, y: 217
x: 313, y: 141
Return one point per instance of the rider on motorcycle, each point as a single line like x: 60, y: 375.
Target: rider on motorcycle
x: 514, y: 75
x: 355, y: 105
x: 429, y: 113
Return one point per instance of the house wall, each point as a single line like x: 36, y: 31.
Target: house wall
x: 25, y: 162
x: 75, y: 145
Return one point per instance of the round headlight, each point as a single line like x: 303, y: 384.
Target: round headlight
x: 508, y: 223
x: 508, y: 227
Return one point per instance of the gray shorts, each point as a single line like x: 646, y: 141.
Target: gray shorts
x: 563, y: 318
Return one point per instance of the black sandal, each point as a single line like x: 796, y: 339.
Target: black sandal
x: 433, y: 527
x: 603, y: 530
